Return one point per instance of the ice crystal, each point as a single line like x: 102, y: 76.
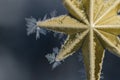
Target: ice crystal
x: 51, y: 58
x: 33, y: 28
x: 56, y: 50
x: 58, y: 35
x: 55, y: 64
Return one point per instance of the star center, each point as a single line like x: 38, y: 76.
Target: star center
x: 92, y: 25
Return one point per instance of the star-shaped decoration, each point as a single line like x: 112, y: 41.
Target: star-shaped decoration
x: 93, y: 26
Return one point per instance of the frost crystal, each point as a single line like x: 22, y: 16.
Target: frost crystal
x: 33, y: 28
x: 59, y: 35
x: 56, y: 50
x: 31, y: 25
x: 51, y: 58
x: 55, y: 64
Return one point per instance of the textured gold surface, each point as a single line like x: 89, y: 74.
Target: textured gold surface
x: 94, y: 28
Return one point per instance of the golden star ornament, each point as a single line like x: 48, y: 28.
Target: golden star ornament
x: 92, y: 26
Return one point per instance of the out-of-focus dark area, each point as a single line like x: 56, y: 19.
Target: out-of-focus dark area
x: 22, y: 57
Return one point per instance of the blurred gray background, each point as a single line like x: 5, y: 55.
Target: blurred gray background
x: 22, y: 57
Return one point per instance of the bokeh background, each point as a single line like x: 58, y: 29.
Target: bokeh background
x: 22, y: 57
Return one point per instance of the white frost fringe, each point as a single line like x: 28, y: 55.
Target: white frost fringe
x: 33, y: 28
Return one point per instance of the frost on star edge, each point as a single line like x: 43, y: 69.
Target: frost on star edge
x: 33, y: 28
